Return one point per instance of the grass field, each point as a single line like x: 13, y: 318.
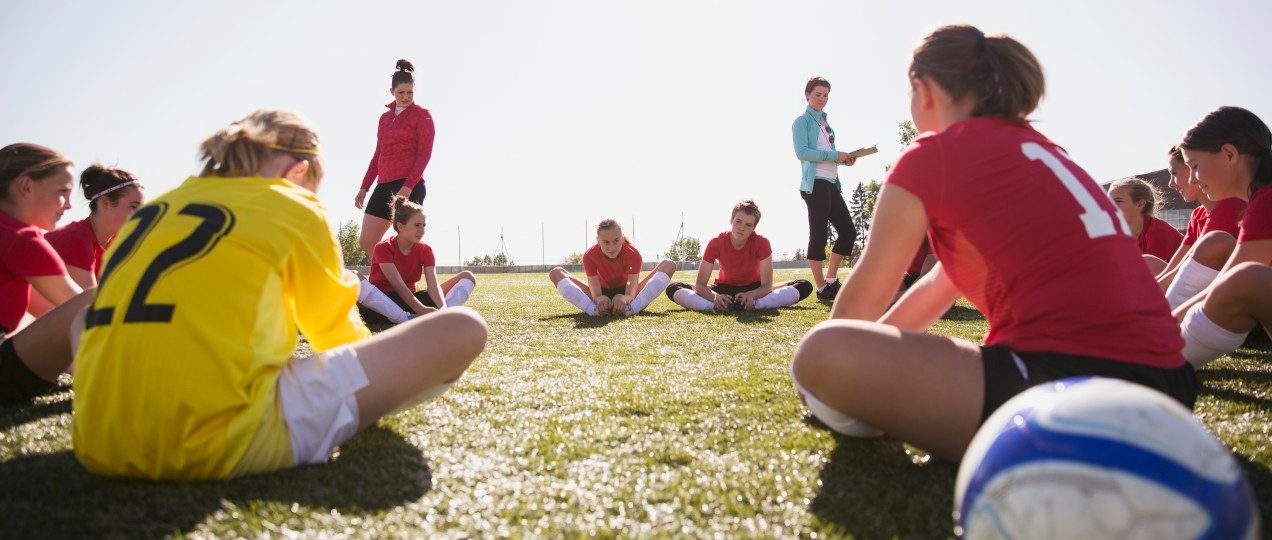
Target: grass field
x: 671, y: 423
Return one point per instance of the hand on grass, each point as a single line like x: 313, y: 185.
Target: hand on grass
x: 723, y: 302
x: 620, y: 305
x: 602, y: 305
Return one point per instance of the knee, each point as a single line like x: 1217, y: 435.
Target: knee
x: 666, y: 266
x: 468, y: 276
x: 1214, y: 248
x: 821, y: 352
x: 1244, y: 281
x: 557, y: 274
x: 467, y: 330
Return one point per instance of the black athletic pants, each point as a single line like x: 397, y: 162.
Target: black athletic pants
x: 826, y: 203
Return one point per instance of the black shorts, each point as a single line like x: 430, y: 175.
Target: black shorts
x: 1004, y: 379
x: 611, y: 293
x: 370, y: 316
x: 725, y: 288
x: 382, y: 196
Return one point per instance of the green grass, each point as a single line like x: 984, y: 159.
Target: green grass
x: 668, y: 424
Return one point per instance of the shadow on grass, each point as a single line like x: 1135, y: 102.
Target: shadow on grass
x: 583, y: 320
x: 871, y: 488
x: 1234, y: 377
x: 960, y: 313
x: 52, y: 495
x: 29, y: 412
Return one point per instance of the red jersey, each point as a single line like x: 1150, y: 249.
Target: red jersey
x: 403, y: 146
x: 23, y: 253
x: 1159, y: 239
x: 1223, y: 216
x: 612, y: 272
x: 1033, y: 242
x: 1257, y: 224
x: 410, y: 265
x: 77, y: 244
x: 737, y: 266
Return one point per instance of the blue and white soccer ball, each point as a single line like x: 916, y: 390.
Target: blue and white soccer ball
x: 1095, y: 458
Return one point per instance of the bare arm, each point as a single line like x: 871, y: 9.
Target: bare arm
x: 56, y: 289
x: 1167, y: 274
x: 84, y: 278
x: 925, y: 302
x: 895, y: 234
x: 434, y: 291
x: 700, y: 285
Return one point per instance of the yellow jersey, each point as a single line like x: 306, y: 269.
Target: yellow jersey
x: 201, y: 297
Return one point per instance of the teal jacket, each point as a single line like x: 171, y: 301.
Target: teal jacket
x: 804, y: 133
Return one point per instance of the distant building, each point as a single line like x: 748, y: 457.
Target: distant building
x: 1175, y: 211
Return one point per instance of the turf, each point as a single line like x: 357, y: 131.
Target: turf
x: 671, y: 423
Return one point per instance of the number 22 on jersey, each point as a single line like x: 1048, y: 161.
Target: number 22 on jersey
x: 1097, y: 221
x: 214, y: 223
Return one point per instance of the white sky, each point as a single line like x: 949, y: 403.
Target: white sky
x: 555, y: 113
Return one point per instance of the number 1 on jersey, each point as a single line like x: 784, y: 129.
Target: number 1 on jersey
x: 1097, y: 221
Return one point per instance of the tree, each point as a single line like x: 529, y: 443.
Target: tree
x: 799, y: 255
x: 862, y: 205
x: 573, y: 258
x: 347, y: 237
x: 907, y: 133
x: 685, y: 249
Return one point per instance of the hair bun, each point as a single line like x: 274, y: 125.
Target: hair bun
x: 405, y: 65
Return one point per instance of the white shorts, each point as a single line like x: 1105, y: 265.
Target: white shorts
x: 320, y: 406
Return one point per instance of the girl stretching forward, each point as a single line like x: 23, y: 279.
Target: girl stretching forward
x: 1208, y: 240
x: 613, y: 283
x: 1230, y: 154
x: 389, y: 295
x: 746, y: 271
x: 1138, y: 200
x: 185, y: 367
x: 1071, y: 297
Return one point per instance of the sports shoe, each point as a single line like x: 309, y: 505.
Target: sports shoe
x: 829, y: 291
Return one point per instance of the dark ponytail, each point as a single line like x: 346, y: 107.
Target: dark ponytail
x: 1003, y: 78
x: 99, y: 181
x: 402, y: 209
x: 403, y: 73
x: 1243, y: 130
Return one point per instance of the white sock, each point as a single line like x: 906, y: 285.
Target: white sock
x: 1192, y: 278
x: 782, y: 297
x: 375, y: 300
x: 574, y: 295
x: 426, y: 396
x: 653, y: 288
x: 1204, y: 340
x: 459, y: 293
x: 835, y: 420
x: 691, y: 300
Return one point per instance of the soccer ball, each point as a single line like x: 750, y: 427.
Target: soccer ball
x: 1098, y: 458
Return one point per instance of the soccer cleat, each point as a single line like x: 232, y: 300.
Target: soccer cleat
x: 829, y: 291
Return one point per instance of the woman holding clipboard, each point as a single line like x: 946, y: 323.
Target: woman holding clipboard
x: 815, y: 147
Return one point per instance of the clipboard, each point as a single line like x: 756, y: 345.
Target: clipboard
x: 860, y: 152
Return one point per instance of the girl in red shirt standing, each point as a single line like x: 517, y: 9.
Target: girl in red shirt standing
x: 1230, y: 154
x: 1020, y: 230
x: 35, y: 189
x: 113, y: 195
x: 1138, y: 200
x: 746, y: 271
x: 404, y: 143
x: 613, y: 285
x: 389, y: 295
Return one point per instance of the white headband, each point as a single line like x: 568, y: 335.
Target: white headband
x: 112, y: 188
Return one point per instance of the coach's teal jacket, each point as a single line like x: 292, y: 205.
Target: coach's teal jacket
x: 804, y: 133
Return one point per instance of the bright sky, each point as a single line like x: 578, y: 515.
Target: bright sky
x: 555, y: 114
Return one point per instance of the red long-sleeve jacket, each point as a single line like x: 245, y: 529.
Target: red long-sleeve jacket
x: 404, y: 144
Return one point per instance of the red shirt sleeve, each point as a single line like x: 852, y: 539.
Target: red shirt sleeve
x: 763, y: 248
x: 426, y: 257
x: 1226, y: 216
x: 1163, y: 239
x: 1257, y: 224
x: 920, y: 170
x: 712, y: 253
x: 425, y: 133
x: 32, y: 256
x: 75, y: 249
x: 373, y: 167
